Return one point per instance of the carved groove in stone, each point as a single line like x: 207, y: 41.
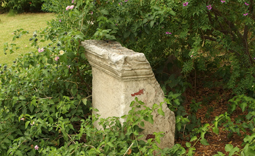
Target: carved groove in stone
x: 116, y: 60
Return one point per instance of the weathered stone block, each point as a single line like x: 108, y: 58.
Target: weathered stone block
x: 119, y: 75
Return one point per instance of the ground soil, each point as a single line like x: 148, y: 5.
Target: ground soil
x: 219, y: 106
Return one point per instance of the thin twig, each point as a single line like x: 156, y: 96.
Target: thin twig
x: 128, y: 149
x: 184, y: 128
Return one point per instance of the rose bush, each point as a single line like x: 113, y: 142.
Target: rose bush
x: 21, y: 6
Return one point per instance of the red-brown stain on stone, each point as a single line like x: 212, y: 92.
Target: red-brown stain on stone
x: 140, y: 92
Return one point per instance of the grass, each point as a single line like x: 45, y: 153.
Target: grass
x: 29, y: 22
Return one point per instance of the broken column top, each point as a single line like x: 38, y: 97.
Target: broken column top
x: 116, y: 60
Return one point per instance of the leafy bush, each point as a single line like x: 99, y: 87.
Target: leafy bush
x: 43, y: 95
x: 20, y: 6
x: 204, y: 36
x: 3, y: 6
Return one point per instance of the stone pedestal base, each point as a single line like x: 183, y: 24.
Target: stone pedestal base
x: 120, y: 75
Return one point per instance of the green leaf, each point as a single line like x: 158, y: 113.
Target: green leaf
x: 144, y: 21
x: 26, y: 124
x: 157, y: 139
x: 84, y: 101
x: 190, y: 153
x: 126, y: 34
x: 204, y: 141
x: 249, y: 138
x: 161, y: 112
x: 132, y: 103
x: 177, y: 102
x: 232, y: 107
x: 193, y: 138
x: 3, y: 146
x: 247, y: 150
x: 83, y: 56
x: 18, y: 153
x: 110, y: 144
x: 228, y: 147
x: 105, y: 12
x: 188, y: 144
x: 31, y: 108
x: 219, y: 154
x: 179, y: 126
x: 6, y: 140
x: 216, y: 130
x: 172, y: 12
x: 136, y: 133
x: 142, y: 124
x: 150, y: 119
x: 155, y: 106
x: 22, y: 97
x: 243, y: 106
x: 183, y: 34
x: 187, y: 66
x: 232, y: 152
x: 146, y: 29
x: 51, y: 102
x: 152, y: 23
x: 50, y: 120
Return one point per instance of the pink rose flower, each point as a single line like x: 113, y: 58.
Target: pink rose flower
x: 40, y: 50
x: 71, y: 7
x: 185, y: 3
x: 36, y: 147
x: 209, y: 7
x: 56, y: 58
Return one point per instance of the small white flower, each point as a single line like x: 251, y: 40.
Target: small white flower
x: 61, y: 52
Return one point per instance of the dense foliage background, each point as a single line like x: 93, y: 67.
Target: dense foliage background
x: 45, y: 95
x: 19, y: 6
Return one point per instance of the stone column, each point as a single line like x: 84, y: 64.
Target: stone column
x: 120, y: 75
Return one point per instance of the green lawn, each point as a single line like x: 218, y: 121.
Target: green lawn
x: 29, y: 22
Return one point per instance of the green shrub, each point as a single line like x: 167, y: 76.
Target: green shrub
x: 217, y: 39
x: 24, y: 5
x: 3, y: 6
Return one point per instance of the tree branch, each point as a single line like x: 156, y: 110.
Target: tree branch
x: 225, y: 32
x: 229, y: 23
x: 251, y: 9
